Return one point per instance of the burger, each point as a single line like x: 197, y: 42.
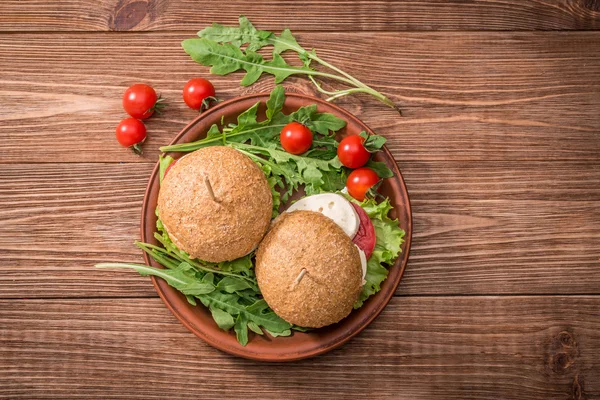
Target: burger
x: 215, y: 204
x: 308, y: 269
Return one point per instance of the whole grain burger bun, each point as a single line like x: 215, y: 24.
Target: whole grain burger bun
x: 332, y: 283
x: 221, y: 230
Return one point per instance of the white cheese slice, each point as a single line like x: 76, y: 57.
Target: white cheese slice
x: 363, y: 263
x: 333, y: 206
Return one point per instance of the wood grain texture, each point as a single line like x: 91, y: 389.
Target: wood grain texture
x: 315, y: 15
x: 59, y: 220
x: 481, y: 227
x: 465, y: 96
x: 498, y: 145
x: 419, y: 348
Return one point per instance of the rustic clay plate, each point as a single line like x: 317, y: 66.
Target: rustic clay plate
x: 300, y: 345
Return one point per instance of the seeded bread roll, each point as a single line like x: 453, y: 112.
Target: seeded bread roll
x: 221, y: 230
x: 333, y: 279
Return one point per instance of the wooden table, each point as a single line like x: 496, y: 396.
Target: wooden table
x: 499, y: 146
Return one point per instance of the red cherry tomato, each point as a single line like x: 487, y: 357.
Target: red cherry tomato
x: 296, y: 138
x: 130, y: 133
x: 360, y: 181
x: 365, y: 236
x: 198, y: 93
x: 352, y: 153
x: 140, y: 101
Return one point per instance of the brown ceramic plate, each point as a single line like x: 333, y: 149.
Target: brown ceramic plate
x: 300, y: 345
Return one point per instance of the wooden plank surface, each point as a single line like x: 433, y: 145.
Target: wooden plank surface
x: 316, y: 15
x: 498, y: 145
x: 480, y: 228
x: 465, y: 96
x: 419, y: 348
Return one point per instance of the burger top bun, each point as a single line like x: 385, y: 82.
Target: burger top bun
x: 216, y: 204
x: 323, y: 294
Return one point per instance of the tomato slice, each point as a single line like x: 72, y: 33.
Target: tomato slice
x: 365, y: 237
x: 169, y: 167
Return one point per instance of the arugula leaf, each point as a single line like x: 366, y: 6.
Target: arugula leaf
x: 259, y: 312
x: 238, y: 36
x: 286, y: 41
x: 213, y: 132
x: 242, y: 265
x: 274, y: 182
x: 275, y: 102
x: 317, y: 122
x: 295, y: 169
x: 223, y: 319
x: 241, y: 329
x: 231, y: 284
x: 209, y: 278
x: 221, y: 48
x: 286, y: 332
x: 191, y: 300
x: 255, y: 328
x: 325, y: 122
x: 248, y: 117
x: 182, y: 278
x: 301, y: 328
x: 389, y: 239
x: 380, y: 168
x: 227, y: 58
x: 332, y: 181
x: 304, y: 114
x: 373, y: 143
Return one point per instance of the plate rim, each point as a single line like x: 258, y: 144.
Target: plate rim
x: 288, y: 356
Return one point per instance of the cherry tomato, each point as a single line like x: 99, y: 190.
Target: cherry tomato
x: 140, y: 101
x: 365, y: 236
x: 296, y: 138
x: 198, y: 93
x: 360, y: 181
x: 130, y: 133
x: 352, y: 153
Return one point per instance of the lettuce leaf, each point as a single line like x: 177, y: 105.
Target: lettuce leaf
x: 163, y: 164
x: 389, y: 238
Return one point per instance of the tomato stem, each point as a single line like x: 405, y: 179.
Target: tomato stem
x: 137, y: 148
x: 158, y: 106
x: 206, y: 103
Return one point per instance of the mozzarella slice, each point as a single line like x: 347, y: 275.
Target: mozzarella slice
x: 363, y: 263
x: 333, y: 206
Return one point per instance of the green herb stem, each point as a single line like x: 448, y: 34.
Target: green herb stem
x: 320, y: 88
x: 361, y: 88
x: 346, y: 78
x: 254, y: 156
x: 144, y: 269
x: 147, y: 247
x: 354, y: 81
x: 192, y: 146
x: 342, y: 93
